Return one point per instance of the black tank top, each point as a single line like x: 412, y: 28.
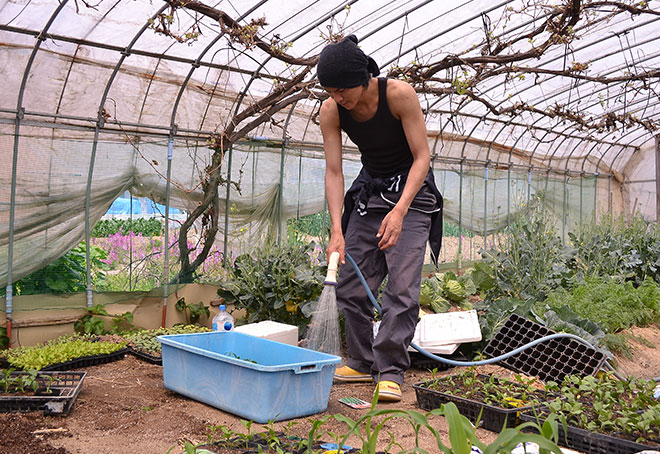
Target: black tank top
x: 381, y: 140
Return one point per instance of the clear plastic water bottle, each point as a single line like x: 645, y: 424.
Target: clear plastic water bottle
x: 223, y: 321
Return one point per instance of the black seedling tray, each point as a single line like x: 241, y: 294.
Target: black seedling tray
x: 146, y: 357
x: 65, y: 388
x: 590, y: 442
x: 86, y: 361
x: 492, y: 418
x: 551, y: 360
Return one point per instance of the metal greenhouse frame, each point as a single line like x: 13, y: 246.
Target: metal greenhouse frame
x: 521, y: 98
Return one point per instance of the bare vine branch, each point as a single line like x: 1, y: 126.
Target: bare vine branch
x: 243, y: 34
x: 467, y: 79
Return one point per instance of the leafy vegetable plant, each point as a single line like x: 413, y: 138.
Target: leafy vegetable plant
x: 530, y: 261
x: 147, y: 227
x: 441, y: 290
x: 90, y: 323
x: 623, y: 249
x: 275, y: 282
x: 612, y: 304
x: 193, y: 312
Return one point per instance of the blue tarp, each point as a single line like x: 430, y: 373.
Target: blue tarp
x: 141, y: 207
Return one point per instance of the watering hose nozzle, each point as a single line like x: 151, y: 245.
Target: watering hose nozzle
x: 333, y: 263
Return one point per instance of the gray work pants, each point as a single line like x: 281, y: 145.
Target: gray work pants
x: 385, y: 357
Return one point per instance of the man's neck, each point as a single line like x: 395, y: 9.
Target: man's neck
x: 367, y: 104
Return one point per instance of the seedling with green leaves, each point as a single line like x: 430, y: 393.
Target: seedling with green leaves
x: 609, y: 406
x: 488, y: 389
x: 60, y: 350
x: 12, y: 382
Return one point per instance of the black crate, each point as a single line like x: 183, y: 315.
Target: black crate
x: 65, y: 389
x: 551, y: 360
x: 491, y: 417
x: 146, y: 357
x: 590, y: 442
x: 86, y: 361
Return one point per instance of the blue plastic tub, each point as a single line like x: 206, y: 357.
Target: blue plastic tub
x: 257, y: 379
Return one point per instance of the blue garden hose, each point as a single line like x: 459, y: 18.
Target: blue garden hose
x: 467, y: 363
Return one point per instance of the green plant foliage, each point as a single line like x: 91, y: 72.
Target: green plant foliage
x: 530, y: 262
x: 91, y: 323
x: 431, y: 295
x: 611, y: 304
x: 440, y: 290
x: 316, y: 225
x: 451, y: 229
x: 65, y: 275
x: 462, y: 434
x: 489, y: 390
x: 566, y: 321
x: 371, y: 427
x: 146, y: 339
x: 60, y: 350
x: 4, y: 339
x: 193, y: 312
x: 483, y: 277
x: 613, y: 247
x: 12, y: 382
x: 494, y: 313
x: 532, y: 265
x: 275, y: 283
x: 145, y: 226
x: 608, y: 405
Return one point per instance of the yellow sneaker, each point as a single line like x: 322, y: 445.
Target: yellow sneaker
x: 351, y: 375
x: 388, y: 391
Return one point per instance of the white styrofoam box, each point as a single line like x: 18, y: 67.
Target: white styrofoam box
x: 446, y: 349
x: 275, y: 331
x: 449, y: 328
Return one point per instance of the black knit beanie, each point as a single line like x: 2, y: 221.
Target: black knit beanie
x: 344, y: 65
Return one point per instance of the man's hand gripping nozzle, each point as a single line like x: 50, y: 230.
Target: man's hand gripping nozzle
x: 333, y: 264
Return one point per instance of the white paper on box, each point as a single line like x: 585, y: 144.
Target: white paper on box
x: 449, y: 328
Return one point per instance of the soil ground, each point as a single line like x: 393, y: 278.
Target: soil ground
x: 123, y: 407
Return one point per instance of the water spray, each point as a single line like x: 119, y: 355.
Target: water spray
x: 324, y: 333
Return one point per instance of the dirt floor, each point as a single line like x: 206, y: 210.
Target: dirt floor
x: 123, y: 407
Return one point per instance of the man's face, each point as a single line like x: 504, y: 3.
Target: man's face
x: 345, y: 97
